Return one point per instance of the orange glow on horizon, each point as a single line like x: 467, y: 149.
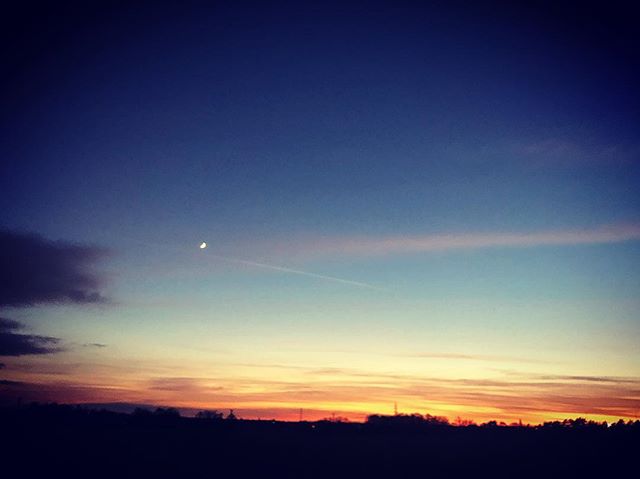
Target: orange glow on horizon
x: 279, y: 390
x: 287, y: 410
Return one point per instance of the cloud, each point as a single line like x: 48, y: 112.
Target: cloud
x: 371, y: 246
x: 182, y: 385
x: 595, y: 379
x: 59, y: 391
x: 7, y: 382
x: 3, y: 365
x: 16, y: 344
x: 174, y: 384
x: 94, y: 345
x: 476, y: 357
x: 34, y: 270
x: 563, y: 152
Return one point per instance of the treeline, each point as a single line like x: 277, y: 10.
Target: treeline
x: 418, y: 420
x: 170, y: 415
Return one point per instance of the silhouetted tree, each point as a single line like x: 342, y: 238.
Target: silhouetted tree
x: 405, y: 421
x: 464, y: 422
x: 209, y: 415
x: 336, y: 419
x: 141, y: 412
x: 490, y: 424
x: 167, y: 412
x: 436, y: 420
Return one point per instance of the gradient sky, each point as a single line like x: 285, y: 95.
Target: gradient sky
x: 433, y: 206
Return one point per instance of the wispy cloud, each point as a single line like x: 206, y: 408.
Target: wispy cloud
x: 564, y: 152
x: 182, y: 385
x: 477, y: 357
x: 371, y: 246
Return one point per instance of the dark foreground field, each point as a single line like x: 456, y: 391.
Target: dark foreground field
x: 57, y: 441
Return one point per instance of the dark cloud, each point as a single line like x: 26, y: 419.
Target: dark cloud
x: 7, y: 324
x: 3, y: 365
x: 17, y: 344
x: 35, y: 270
x: 94, y: 345
x: 7, y: 382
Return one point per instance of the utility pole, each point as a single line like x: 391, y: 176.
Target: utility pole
x: 300, y: 414
x: 395, y: 408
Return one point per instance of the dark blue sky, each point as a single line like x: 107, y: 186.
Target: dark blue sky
x: 326, y: 118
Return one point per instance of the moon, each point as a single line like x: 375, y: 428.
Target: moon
x: 203, y: 245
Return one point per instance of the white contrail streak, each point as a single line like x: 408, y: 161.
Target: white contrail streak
x: 256, y: 264
x: 282, y: 269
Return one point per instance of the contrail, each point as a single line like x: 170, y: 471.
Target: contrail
x: 296, y: 271
x: 256, y: 264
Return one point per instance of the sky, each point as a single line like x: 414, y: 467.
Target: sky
x: 434, y: 206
